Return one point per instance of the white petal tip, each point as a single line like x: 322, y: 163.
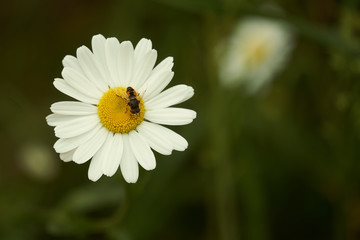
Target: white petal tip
x: 80, y: 159
x: 109, y: 174
x: 67, y: 59
x: 48, y: 119
x: 145, y: 40
x: 57, y: 134
x: 94, y: 178
x: 193, y: 115
x: 81, y: 48
x: 98, y: 36
x: 181, y: 149
x: 191, y: 92
x: 149, y: 168
x: 112, y: 39
x: 131, y: 180
x: 77, y: 161
x: 127, y: 44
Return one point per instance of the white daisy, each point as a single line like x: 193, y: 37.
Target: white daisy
x: 256, y: 50
x: 120, y: 104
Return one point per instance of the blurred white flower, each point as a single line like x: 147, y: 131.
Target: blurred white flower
x: 38, y: 161
x: 255, y: 51
x: 120, y: 106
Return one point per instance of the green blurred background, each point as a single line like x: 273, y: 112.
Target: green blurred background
x: 280, y: 164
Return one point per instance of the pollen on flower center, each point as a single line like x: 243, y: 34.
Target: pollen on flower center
x: 115, y: 112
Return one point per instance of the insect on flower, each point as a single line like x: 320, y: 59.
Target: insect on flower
x: 134, y: 100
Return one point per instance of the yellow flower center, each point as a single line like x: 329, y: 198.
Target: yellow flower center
x: 115, y: 112
x: 256, y: 52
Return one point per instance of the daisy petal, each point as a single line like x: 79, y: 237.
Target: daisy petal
x: 159, y: 78
x: 169, y: 137
x: 125, y: 63
x: 71, y: 62
x: 111, y: 54
x: 106, y: 150
x: 56, y: 119
x: 98, y: 46
x: 156, y: 140
x: 79, y: 82
x: 164, y: 66
x: 66, y: 144
x: 67, y: 156
x: 171, y: 96
x: 76, y: 126
x: 128, y: 165
x: 179, y: 143
x: 73, y: 108
x: 89, y: 66
x: 143, y: 46
x: 95, y: 168
x: 171, y: 116
x: 112, y: 162
x: 64, y: 87
x: 142, y: 151
x: 155, y: 83
x: 143, y: 69
x: 94, y: 172
x: 88, y: 149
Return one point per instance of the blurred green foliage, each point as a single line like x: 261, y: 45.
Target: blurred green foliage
x: 281, y: 164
